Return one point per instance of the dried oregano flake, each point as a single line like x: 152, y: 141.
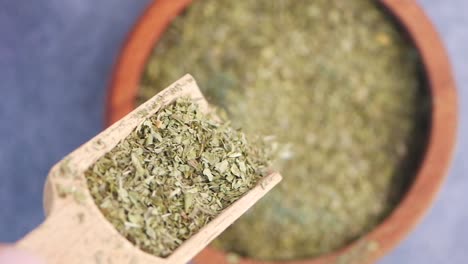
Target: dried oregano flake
x: 172, y: 175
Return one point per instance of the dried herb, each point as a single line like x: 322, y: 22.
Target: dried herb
x: 172, y: 175
x: 336, y: 87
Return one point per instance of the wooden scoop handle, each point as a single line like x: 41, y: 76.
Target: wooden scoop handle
x: 70, y: 235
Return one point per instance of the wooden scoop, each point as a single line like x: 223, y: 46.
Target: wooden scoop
x: 75, y: 231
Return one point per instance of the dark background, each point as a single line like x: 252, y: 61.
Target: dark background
x: 56, y: 57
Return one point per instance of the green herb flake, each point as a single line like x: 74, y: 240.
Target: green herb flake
x: 62, y: 190
x: 79, y: 197
x: 165, y: 181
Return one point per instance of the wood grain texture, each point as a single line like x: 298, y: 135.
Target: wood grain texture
x: 429, y: 178
x: 75, y: 231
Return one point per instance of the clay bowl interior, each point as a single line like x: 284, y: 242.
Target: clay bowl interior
x: 435, y: 162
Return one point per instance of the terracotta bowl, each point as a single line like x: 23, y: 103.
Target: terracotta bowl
x: 149, y: 29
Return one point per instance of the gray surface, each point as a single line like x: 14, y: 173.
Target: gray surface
x: 55, y: 59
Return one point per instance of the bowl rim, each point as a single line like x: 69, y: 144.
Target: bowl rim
x: 124, y: 85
